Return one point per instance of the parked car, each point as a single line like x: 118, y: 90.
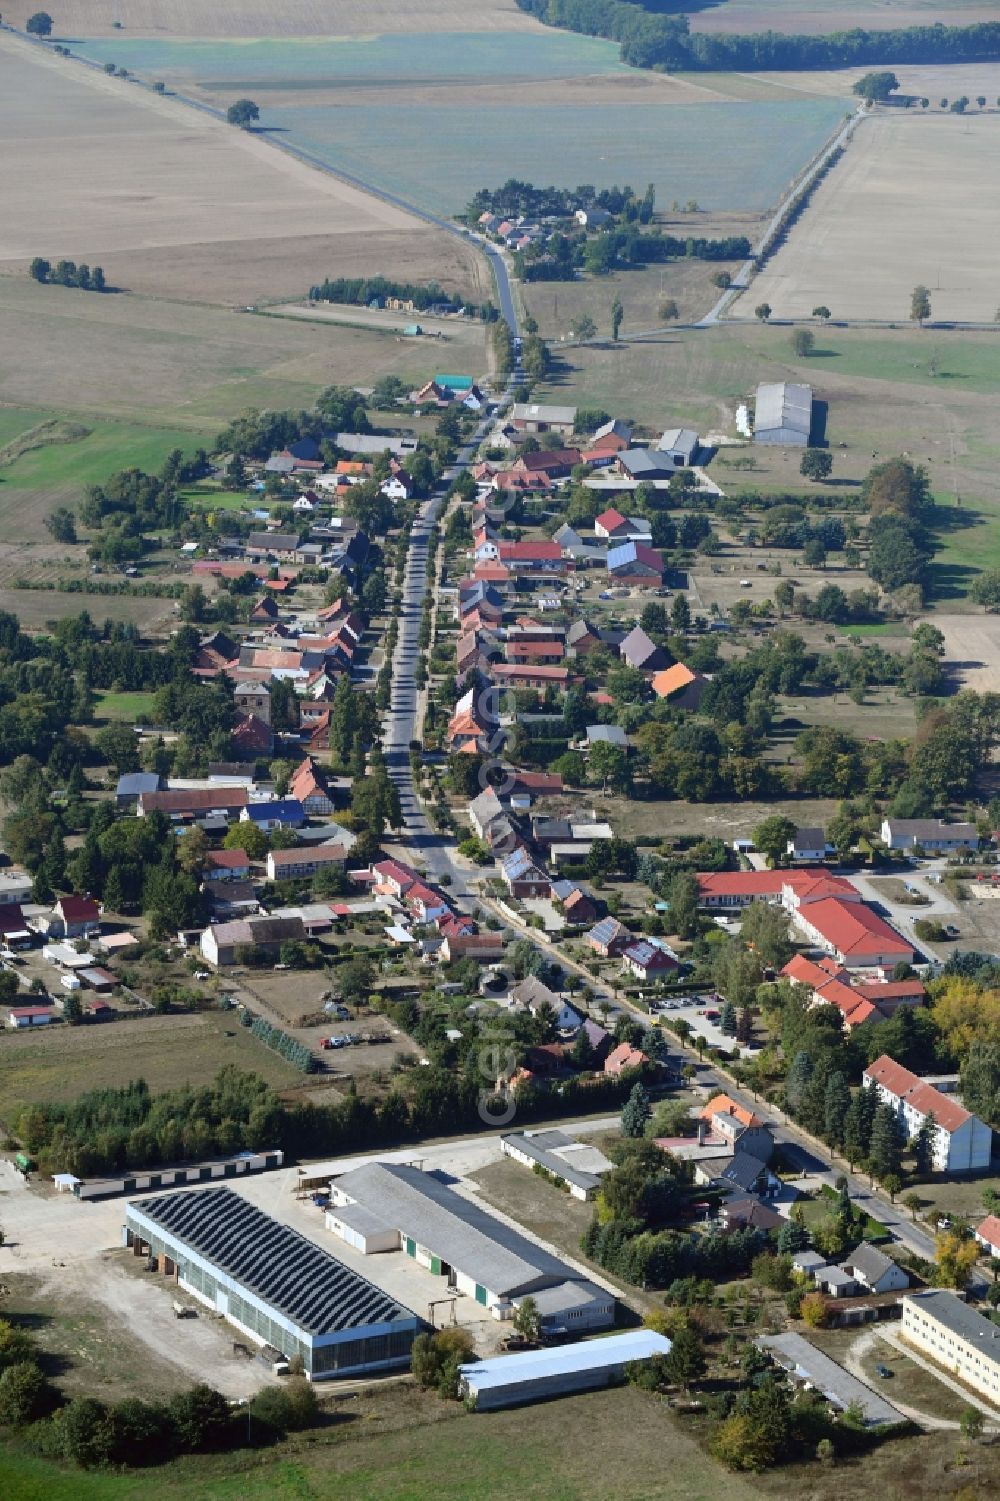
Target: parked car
x: 883, y: 1372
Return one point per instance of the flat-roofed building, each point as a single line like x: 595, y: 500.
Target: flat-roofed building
x: 272, y: 1283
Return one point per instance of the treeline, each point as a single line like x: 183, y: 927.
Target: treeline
x: 666, y: 42
x: 361, y: 291
x: 256, y: 435
x: 68, y: 274
x: 133, y: 1433
x: 619, y: 249
x: 108, y: 1130
x: 514, y: 198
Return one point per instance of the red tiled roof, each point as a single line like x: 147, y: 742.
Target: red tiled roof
x: 228, y: 859
x: 79, y: 908
x: 854, y: 929
x: 923, y: 1097
x: 989, y: 1230
x: 514, y: 552
x: 535, y: 649
x: 722, y: 1104
x: 610, y: 519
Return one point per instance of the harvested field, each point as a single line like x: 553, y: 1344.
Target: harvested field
x: 972, y: 650
x: 164, y: 198
x: 913, y: 177
x: 811, y: 17
x: 34, y: 608
x: 367, y: 106
x: 166, y: 1051
x: 309, y: 18
x: 173, y: 365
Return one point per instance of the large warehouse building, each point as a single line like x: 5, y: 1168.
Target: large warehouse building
x: 382, y: 1207
x: 783, y: 414
x: 507, y: 1380
x: 271, y: 1282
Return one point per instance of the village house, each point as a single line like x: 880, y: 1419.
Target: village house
x: 304, y: 863
x: 522, y: 876
x: 609, y: 938
x: 680, y: 686
x: 647, y: 961
x: 635, y: 564
x: 261, y: 936
x: 531, y: 995
x: 929, y: 834
x: 640, y: 651
x: 624, y: 1056
x: 227, y: 865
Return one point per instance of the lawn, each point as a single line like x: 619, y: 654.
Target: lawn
x: 134, y: 707
x: 17, y: 420
x: 603, y: 1446
x: 209, y: 497
x: 107, y: 447
x: 166, y: 1051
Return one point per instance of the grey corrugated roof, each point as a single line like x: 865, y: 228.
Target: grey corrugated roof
x: 837, y: 1385
x: 960, y: 1319
x: 311, y: 1288
x: 783, y: 404
x: 494, y: 1254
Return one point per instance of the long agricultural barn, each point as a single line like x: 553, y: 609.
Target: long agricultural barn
x: 783, y: 414
x: 272, y: 1283
x: 387, y: 1208
x: 507, y: 1380
x: 141, y: 1180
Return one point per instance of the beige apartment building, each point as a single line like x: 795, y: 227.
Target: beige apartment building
x: 955, y: 1336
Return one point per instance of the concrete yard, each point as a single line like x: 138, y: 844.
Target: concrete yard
x: 75, y: 1248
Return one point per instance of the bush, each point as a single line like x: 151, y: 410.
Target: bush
x: 25, y: 1394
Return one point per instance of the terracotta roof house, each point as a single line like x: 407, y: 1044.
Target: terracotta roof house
x: 622, y: 1057
x: 252, y: 737
x: 310, y: 786
x: 987, y: 1233
x: 725, y: 1105
x: 556, y: 463
x: 681, y: 686
x: 227, y: 865
x: 961, y: 1142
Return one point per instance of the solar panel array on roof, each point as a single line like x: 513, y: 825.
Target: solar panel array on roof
x: 297, y: 1278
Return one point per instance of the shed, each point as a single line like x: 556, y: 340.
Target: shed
x: 507, y: 1380
x: 362, y: 1228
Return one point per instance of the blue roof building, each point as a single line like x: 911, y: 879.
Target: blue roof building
x: 280, y: 813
